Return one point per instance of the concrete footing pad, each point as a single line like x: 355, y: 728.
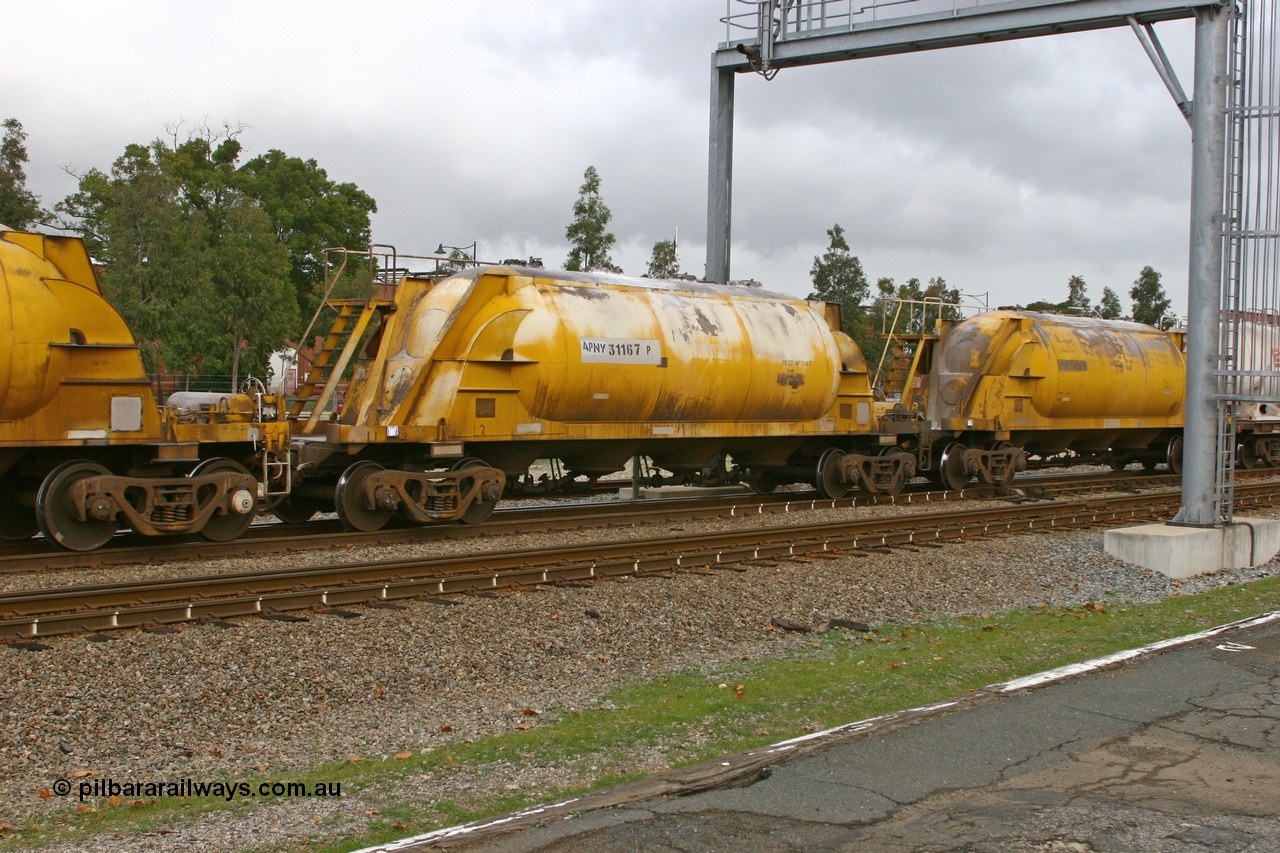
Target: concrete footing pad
x: 1183, y: 552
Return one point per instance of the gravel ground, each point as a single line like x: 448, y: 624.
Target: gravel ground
x: 269, y: 698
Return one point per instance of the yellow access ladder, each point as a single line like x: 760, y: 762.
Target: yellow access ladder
x: 900, y: 354
x: 333, y: 356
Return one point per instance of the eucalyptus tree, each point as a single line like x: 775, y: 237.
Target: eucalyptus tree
x: 588, y: 234
x: 1150, y: 305
x: 665, y: 261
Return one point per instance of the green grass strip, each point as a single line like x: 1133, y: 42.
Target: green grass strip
x: 831, y: 679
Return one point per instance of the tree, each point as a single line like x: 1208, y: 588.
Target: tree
x: 309, y: 212
x: 1076, y: 302
x: 948, y: 296
x: 588, y: 237
x: 1045, y: 305
x: 1076, y: 297
x: 1149, y: 301
x: 838, y: 277
x: 907, y: 309
x: 1109, y: 308
x: 193, y: 261
x: 913, y: 319
x: 19, y: 207
x: 456, y: 262
x: 883, y: 318
x: 253, y: 300
x: 664, y: 262
x: 154, y: 253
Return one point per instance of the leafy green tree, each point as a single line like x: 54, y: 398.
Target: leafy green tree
x: 949, y: 299
x: 309, y: 213
x: 883, y: 317
x: 205, y: 168
x: 1045, y: 305
x: 156, y: 269
x: 1149, y: 300
x: 664, y: 262
x: 907, y: 309
x: 1076, y: 301
x: 936, y: 291
x: 1076, y: 297
x: 949, y: 296
x: 456, y: 262
x: 19, y: 207
x: 253, y: 300
x: 193, y: 262
x: 838, y: 277
x: 588, y: 234
x: 884, y: 309
x: 1109, y: 308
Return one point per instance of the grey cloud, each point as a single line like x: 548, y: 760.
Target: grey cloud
x: 1006, y: 166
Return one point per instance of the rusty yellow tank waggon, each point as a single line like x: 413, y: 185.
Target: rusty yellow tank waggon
x: 496, y: 355
x: 502, y: 366
x: 1001, y: 383
x: 83, y: 444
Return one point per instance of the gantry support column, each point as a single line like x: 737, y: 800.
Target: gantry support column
x: 720, y: 179
x: 1204, y: 286
x: 1197, y: 541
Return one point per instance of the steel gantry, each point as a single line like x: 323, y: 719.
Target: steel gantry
x: 1234, y: 162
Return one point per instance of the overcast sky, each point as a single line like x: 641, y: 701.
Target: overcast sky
x: 1003, y: 168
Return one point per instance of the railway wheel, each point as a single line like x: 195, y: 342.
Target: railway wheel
x: 224, y: 527
x: 827, y: 477
x: 293, y: 510
x: 1248, y: 455
x: 1117, y: 461
x: 952, y: 472
x: 349, y: 500
x: 1173, y: 456
x: 1149, y: 464
x: 58, y: 516
x: 479, y: 509
x: 763, y: 482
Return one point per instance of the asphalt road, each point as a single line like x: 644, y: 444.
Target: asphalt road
x: 1173, y: 751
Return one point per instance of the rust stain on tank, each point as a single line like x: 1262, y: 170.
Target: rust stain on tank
x: 705, y: 323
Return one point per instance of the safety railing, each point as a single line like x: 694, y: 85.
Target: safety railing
x: 903, y: 324
x: 780, y: 20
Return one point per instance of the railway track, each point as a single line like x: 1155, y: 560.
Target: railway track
x: 30, y: 614
x: 274, y: 538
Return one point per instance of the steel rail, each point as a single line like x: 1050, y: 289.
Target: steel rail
x: 270, y: 538
x: 29, y: 614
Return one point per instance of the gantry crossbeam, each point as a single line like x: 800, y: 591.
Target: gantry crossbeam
x: 955, y: 27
